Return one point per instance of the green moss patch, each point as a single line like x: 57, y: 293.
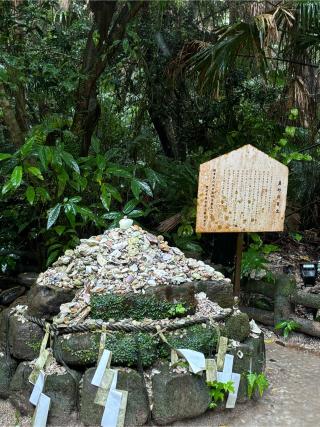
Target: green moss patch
x: 119, y: 307
x: 197, y: 337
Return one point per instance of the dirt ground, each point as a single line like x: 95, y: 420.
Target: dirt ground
x: 293, y: 398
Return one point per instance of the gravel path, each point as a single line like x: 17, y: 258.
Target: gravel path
x: 293, y: 398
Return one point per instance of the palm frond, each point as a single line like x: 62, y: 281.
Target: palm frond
x: 211, y: 63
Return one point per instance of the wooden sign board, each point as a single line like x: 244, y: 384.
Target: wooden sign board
x: 242, y: 191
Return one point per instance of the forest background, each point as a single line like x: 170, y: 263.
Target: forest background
x: 107, y: 108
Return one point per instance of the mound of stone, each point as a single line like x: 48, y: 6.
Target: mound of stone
x: 118, y: 262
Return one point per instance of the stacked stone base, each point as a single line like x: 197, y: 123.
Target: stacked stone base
x: 156, y: 393
x: 172, y: 396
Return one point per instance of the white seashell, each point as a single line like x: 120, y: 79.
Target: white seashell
x: 125, y: 223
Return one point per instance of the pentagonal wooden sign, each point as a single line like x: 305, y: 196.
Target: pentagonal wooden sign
x: 244, y: 190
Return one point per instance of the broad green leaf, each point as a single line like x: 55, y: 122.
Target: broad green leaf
x: 130, y: 205
x: 6, y: 188
x: 281, y: 325
x: 112, y: 215
x: 26, y: 148
x: 154, y: 178
x: 114, y: 192
x: 43, y: 194
x: 62, y: 181
x: 105, y: 197
x: 145, y: 187
x: 70, y: 207
x: 16, y: 177
x: 30, y: 194
x: 75, y: 199
x: 85, y: 212
x: 290, y: 130
x: 70, y: 215
x: 101, y: 162
x: 283, y: 142
x: 5, y: 156
x: 36, y: 172
x: 45, y: 156
x: 135, y: 188
x: 136, y: 213
x: 59, y: 229
x: 53, y: 215
x: 52, y: 257
x: 118, y: 171
x: 70, y: 161
x: 268, y: 249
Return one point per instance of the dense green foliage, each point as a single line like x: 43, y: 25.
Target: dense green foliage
x: 108, y: 108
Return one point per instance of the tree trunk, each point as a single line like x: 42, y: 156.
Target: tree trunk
x: 263, y: 316
x: 306, y: 299
x: 9, y: 117
x: 285, y: 288
x: 260, y: 287
x: 109, y: 26
x: 307, y: 326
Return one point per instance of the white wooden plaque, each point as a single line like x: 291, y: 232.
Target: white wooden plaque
x: 244, y: 190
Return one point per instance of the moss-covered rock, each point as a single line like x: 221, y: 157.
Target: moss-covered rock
x: 237, y: 327
x: 7, y: 369
x: 63, y: 392
x: 24, y: 338
x: 248, y: 356
x: 178, y: 396
x: 61, y: 388
x: 137, y: 411
x: 198, y: 337
x: 45, y: 301
x: 81, y: 349
x: 90, y: 412
x: 20, y: 389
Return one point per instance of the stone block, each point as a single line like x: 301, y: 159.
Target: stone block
x: 217, y: 291
x: 253, y: 358
x: 237, y: 327
x: 137, y: 412
x: 178, y: 396
x: 81, y: 349
x: 20, y: 389
x: 45, y: 301
x: 7, y: 369
x: 63, y: 390
x: 24, y: 338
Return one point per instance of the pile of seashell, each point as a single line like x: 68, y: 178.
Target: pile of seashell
x: 120, y: 261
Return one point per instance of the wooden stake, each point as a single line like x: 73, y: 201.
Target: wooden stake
x: 237, y: 272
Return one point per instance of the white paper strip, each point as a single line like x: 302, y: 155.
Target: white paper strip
x: 104, y: 363
x: 41, y: 412
x: 37, y: 389
x: 196, y: 360
x: 109, y: 382
x: 112, y: 408
x: 225, y: 376
x: 123, y: 408
x: 231, y: 401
